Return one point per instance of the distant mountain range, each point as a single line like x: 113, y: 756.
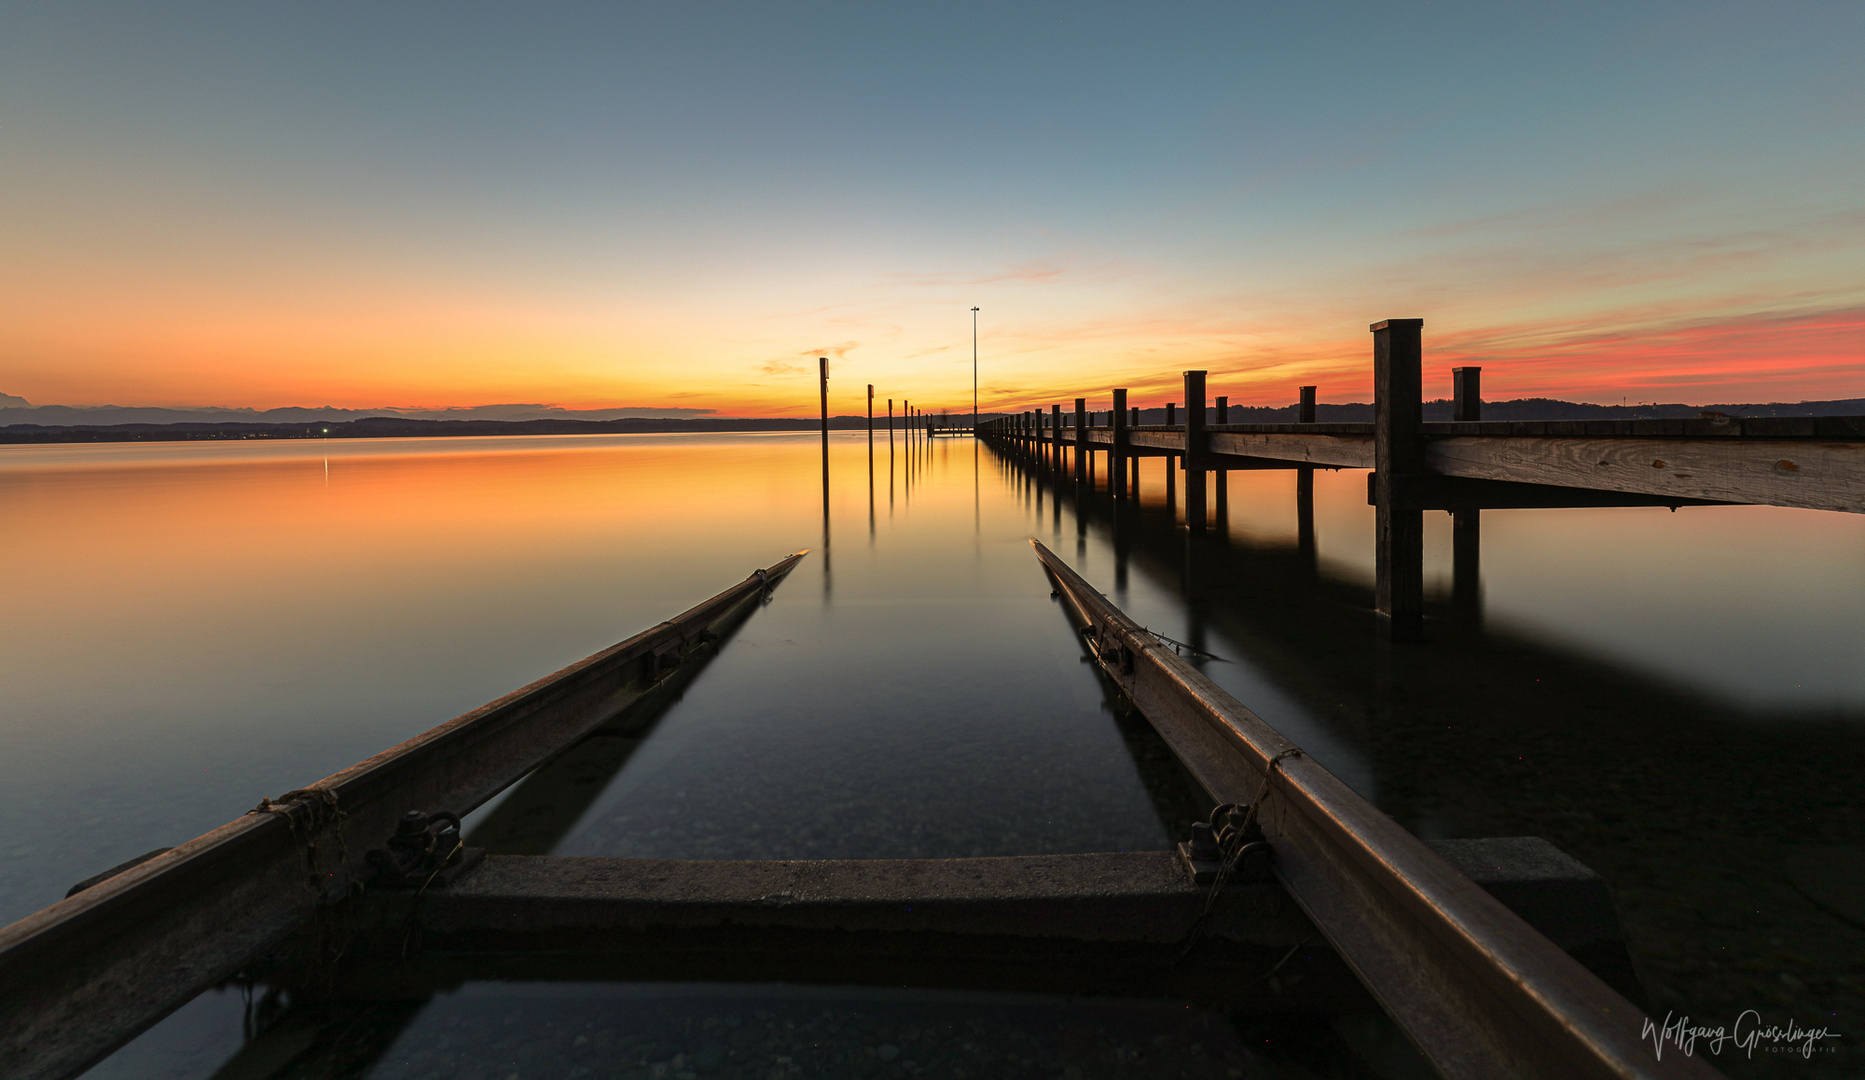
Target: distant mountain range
x: 23, y: 422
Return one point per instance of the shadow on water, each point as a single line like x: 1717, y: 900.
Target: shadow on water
x: 1732, y: 839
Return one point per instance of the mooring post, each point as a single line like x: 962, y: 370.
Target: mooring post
x: 1305, y: 412
x: 822, y: 371
x: 1467, y: 525
x: 1117, y: 457
x: 1398, y: 457
x: 1172, y: 480
x: 1055, y: 438
x: 1194, y: 451
x: 1466, y: 393
x: 1222, y: 478
x: 1172, y: 460
x: 1081, y: 439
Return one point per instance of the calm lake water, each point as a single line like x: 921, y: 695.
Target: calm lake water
x: 1677, y: 699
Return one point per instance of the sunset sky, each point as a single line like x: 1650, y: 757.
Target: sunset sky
x: 682, y: 205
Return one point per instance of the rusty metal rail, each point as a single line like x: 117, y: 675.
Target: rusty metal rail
x: 1474, y: 986
x: 84, y: 976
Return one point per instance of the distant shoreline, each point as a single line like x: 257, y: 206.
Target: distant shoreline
x: 382, y: 427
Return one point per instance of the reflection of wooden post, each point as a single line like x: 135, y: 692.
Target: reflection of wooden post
x: 1305, y: 517
x: 1305, y: 412
x: 1398, y: 457
x: 1194, y: 451
x: 1117, y: 457
x: 1467, y: 393
x: 1467, y: 561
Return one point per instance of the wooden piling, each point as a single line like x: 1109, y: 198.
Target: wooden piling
x: 1467, y: 525
x: 1195, y: 441
x: 822, y: 371
x: 1081, y: 439
x: 1119, y: 452
x: 1398, y: 457
x: 1172, y: 460
x: 1305, y: 412
x: 1467, y: 393
x: 1055, y: 438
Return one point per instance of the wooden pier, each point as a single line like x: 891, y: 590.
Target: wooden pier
x: 1463, y: 466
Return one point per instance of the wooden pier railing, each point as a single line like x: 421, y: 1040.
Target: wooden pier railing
x: 1464, y: 465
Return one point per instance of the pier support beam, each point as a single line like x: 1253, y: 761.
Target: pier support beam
x: 1118, y: 453
x: 1081, y: 440
x: 1221, y: 481
x: 1055, y: 438
x: 1399, y: 457
x: 1467, y: 525
x: 1195, y: 449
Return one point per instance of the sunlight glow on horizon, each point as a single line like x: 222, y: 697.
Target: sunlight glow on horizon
x: 656, y: 209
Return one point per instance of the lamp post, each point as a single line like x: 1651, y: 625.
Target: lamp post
x: 974, y: 372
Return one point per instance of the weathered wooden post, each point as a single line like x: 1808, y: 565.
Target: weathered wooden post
x: 1398, y: 458
x: 1222, y: 478
x: 1055, y: 438
x: 822, y: 372
x: 1172, y: 464
x: 870, y: 418
x: 1194, y: 451
x: 1081, y: 439
x: 1467, y: 525
x: 1305, y: 412
x: 1466, y: 393
x: 1117, y: 455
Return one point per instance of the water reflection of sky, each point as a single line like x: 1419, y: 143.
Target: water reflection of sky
x: 193, y: 626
